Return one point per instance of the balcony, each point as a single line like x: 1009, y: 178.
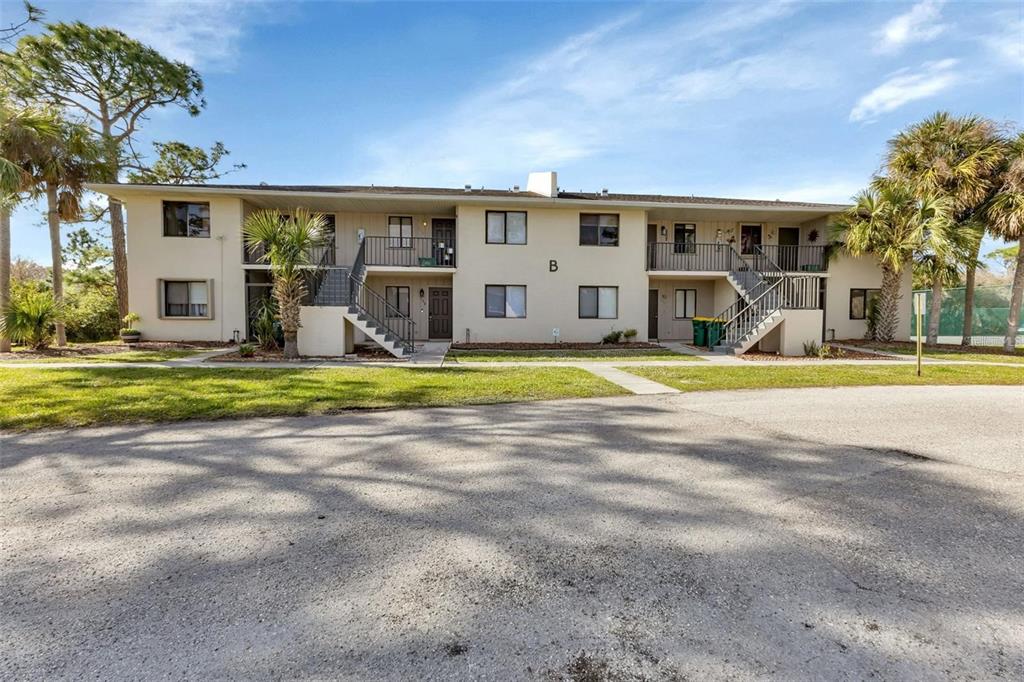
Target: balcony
x: 318, y: 255
x: 408, y: 252
x: 798, y: 258
x: 690, y: 257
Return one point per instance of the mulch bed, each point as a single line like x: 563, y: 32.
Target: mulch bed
x: 362, y: 354
x: 80, y: 350
x: 553, y: 346
x: 910, y: 348
x: 846, y: 355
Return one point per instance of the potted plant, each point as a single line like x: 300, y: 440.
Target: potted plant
x: 629, y: 335
x: 129, y: 334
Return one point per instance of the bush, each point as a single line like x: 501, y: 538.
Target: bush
x: 811, y: 349
x: 630, y: 334
x: 30, y: 317
x: 90, y: 314
x: 246, y: 350
x: 264, y: 326
x: 612, y: 337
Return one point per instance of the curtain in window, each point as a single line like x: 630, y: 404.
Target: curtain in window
x: 495, y: 228
x: 588, y: 301
x: 686, y: 303
x: 495, y: 301
x: 399, y: 232
x: 607, y: 302
x: 176, y: 299
x: 515, y: 227
x: 515, y: 301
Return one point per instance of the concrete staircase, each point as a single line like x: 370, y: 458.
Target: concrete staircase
x: 375, y: 330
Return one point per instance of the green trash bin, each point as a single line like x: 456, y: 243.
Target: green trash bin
x: 714, y: 333
x: 700, y: 332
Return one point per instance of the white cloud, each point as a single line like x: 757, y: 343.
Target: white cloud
x: 906, y: 86
x: 203, y: 33
x: 1007, y: 42
x: 918, y: 25
x: 596, y: 92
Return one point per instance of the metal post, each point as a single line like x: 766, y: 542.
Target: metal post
x: 919, y: 305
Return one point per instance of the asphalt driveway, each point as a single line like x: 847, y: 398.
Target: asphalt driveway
x: 802, y: 534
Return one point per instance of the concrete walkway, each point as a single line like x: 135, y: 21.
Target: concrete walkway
x: 630, y: 382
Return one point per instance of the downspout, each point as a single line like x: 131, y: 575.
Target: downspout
x: 220, y: 287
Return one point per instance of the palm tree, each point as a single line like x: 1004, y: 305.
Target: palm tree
x: 286, y: 243
x: 61, y: 170
x: 24, y: 132
x: 945, y: 269
x: 890, y: 222
x: 1005, y: 213
x: 956, y: 158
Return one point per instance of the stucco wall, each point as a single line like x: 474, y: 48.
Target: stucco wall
x: 670, y: 328
x: 799, y: 327
x: 418, y: 307
x: 152, y: 257
x: 552, y: 298
x: 323, y: 332
x: 847, y: 272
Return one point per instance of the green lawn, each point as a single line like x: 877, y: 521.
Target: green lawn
x: 943, y: 353
x: 99, y: 358
x: 45, y: 398
x: 798, y: 376
x: 599, y: 355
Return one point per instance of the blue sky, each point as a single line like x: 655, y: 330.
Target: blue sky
x: 761, y: 100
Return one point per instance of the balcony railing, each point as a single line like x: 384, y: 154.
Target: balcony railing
x: 690, y: 256
x: 798, y: 258
x: 326, y: 254
x: 409, y: 252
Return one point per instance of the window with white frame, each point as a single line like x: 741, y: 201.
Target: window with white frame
x: 504, y: 300
x: 686, y: 304
x: 186, y: 298
x: 399, y: 232
x: 599, y: 303
x: 506, y: 227
x: 398, y: 299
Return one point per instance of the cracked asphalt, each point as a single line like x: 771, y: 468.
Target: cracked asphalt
x: 802, y: 534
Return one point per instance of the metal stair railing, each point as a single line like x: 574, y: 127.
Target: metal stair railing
x: 376, y: 308
x: 741, y: 317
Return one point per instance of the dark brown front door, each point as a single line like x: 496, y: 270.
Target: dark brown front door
x: 652, y: 314
x: 444, y: 242
x: 440, y: 313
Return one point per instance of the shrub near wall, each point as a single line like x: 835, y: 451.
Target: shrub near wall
x: 90, y: 314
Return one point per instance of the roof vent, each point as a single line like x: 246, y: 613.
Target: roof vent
x: 604, y: 191
x: 515, y: 188
x: 263, y: 183
x: 468, y: 189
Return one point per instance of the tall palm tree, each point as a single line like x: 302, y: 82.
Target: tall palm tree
x: 286, y: 244
x: 61, y: 170
x: 956, y: 158
x: 891, y: 223
x: 945, y: 269
x: 24, y: 132
x: 1005, y: 213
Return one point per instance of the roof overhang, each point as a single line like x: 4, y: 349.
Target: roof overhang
x: 323, y: 200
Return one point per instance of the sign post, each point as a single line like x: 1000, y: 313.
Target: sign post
x: 919, y: 312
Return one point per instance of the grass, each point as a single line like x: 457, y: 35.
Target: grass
x: 50, y: 398
x: 99, y: 358
x: 572, y: 355
x: 728, y: 378
x: 943, y: 353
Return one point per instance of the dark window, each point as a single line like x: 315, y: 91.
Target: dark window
x: 399, y: 232
x: 599, y: 303
x: 184, y: 219
x: 599, y: 229
x: 504, y: 300
x: 398, y: 299
x: 685, y: 304
x: 506, y: 227
x: 685, y: 238
x: 861, y: 301
x: 186, y: 299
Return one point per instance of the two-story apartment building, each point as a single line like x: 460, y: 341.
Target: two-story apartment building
x: 408, y: 264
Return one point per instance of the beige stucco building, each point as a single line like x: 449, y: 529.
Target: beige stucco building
x: 473, y: 265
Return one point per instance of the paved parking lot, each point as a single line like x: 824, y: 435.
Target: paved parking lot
x: 813, y: 533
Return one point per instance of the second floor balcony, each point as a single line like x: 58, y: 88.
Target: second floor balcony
x: 723, y: 257
x: 409, y: 252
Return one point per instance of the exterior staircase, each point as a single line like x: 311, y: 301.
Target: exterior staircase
x: 366, y: 309
x: 764, y: 291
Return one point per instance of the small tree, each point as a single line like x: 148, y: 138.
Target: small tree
x: 29, y: 319
x: 285, y: 243
x: 889, y: 222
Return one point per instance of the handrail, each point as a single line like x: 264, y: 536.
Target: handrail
x: 738, y: 319
x: 319, y: 272
x: 424, y: 252
x: 799, y: 258
x: 376, y: 307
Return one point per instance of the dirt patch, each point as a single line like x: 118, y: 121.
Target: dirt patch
x: 553, y: 346
x: 84, y: 350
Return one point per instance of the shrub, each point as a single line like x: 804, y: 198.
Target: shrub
x: 630, y: 334
x: 811, y: 349
x: 612, y: 337
x: 265, y: 327
x: 29, y: 319
x: 90, y: 314
x: 246, y: 350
